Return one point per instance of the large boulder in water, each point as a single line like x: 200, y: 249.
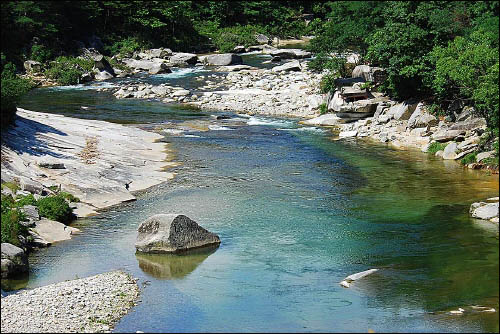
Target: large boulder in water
x: 223, y: 59
x: 14, y: 260
x: 179, y: 59
x: 172, y: 233
x: 288, y: 53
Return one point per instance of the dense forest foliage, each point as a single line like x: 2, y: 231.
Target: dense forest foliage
x: 441, y: 51
x: 444, y: 51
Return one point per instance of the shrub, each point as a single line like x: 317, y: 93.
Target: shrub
x: 40, y: 53
x: 7, y: 203
x: 327, y: 83
x: 468, y: 159
x: 11, y: 228
x: 323, y: 108
x: 367, y: 85
x: 126, y: 47
x: 13, y: 88
x: 226, y: 39
x: 68, y: 70
x: 25, y: 200
x: 55, y: 208
x: 434, y: 147
x: 318, y: 64
x: 467, y: 69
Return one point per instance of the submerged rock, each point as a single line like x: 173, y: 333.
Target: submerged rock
x: 172, y: 233
x: 351, y: 278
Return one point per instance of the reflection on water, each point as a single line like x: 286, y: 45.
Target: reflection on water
x: 172, y: 266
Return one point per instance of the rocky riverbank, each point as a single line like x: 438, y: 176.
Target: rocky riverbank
x: 87, y: 305
x: 95, y: 164
x: 101, y: 163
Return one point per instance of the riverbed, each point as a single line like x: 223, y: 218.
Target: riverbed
x: 297, y: 211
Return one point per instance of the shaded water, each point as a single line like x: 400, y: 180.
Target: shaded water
x: 296, y: 212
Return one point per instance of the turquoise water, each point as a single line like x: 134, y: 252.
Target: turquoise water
x: 296, y: 212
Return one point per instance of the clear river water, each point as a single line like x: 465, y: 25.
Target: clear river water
x: 297, y: 212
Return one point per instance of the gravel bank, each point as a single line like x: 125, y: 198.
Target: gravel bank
x: 92, y: 304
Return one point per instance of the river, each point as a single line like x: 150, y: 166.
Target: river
x: 297, y: 211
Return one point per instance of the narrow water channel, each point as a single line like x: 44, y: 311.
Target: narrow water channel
x: 296, y: 212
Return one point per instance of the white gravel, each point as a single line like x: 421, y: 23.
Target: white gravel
x: 92, y: 304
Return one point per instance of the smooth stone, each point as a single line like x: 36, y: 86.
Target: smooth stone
x: 447, y: 135
x: 403, y: 111
x: 224, y: 59
x: 485, y: 211
x: 14, y: 260
x: 450, y: 151
x: 53, y: 231
x: 181, y: 92
x: 354, y: 277
x: 484, y: 155
x: 290, y: 66
x: 31, y: 212
x: 348, y: 134
x: 326, y: 119
x: 103, y: 75
x: 172, y: 233
x: 421, y: 118
x: 183, y: 59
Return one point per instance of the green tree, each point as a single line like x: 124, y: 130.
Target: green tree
x: 13, y: 88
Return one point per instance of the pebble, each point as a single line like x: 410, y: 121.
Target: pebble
x: 59, y: 308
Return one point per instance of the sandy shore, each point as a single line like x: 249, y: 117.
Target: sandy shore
x: 87, y: 305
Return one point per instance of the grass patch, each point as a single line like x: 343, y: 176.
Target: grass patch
x: 11, y: 228
x: 12, y: 186
x: 323, y: 108
x: 69, y: 197
x: 434, y: 147
x: 493, y: 161
x: 25, y: 200
x: 468, y: 159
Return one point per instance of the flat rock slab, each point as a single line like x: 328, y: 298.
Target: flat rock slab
x: 325, y: 120
x: 172, y: 233
x: 87, y: 305
x: 53, y: 231
x: 82, y: 210
x: 104, y: 162
x: 484, y: 211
